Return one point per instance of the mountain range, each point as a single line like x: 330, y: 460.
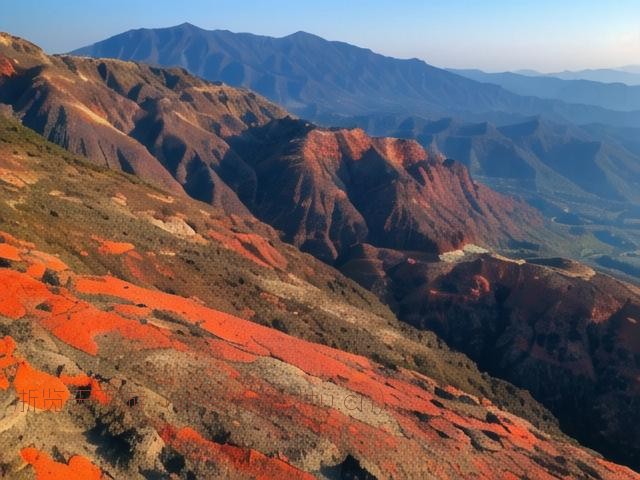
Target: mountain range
x: 235, y: 150
x: 629, y: 75
x: 612, y: 96
x: 316, y: 78
x: 573, y: 155
x: 178, y: 264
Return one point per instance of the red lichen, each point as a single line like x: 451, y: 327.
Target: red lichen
x: 78, y: 468
x: 242, y: 460
x: 80, y: 325
x: 50, y: 261
x: 38, y: 389
x: 36, y: 270
x: 96, y: 392
x: 19, y: 292
x: 9, y: 252
x: 108, y: 247
x: 251, y: 246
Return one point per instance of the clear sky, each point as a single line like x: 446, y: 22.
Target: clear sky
x: 494, y: 35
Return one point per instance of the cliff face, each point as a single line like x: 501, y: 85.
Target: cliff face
x: 328, y: 190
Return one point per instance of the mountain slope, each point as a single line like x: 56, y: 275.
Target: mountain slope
x: 120, y: 320
x: 333, y: 175
x: 566, y: 333
x: 316, y: 78
x: 540, y: 155
x: 584, y: 177
x: 165, y: 126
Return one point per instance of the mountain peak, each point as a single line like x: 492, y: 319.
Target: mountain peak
x: 300, y: 35
x: 186, y: 26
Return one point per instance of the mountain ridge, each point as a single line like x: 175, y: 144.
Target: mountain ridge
x: 364, y: 84
x: 613, y: 96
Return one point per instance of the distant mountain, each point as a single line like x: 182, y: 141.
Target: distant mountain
x: 628, y: 75
x: 313, y: 77
x: 613, y: 96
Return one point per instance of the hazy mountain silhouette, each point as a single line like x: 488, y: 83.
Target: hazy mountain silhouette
x: 629, y: 75
x: 311, y: 76
x: 613, y: 96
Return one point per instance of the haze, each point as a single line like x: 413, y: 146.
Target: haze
x: 492, y: 35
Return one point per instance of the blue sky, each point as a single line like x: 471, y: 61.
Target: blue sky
x: 547, y: 35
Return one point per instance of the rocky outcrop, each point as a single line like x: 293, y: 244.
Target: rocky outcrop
x: 329, y: 190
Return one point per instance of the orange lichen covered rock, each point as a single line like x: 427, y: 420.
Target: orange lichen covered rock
x: 247, y: 461
x: 9, y: 252
x: 251, y: 246
x: 88, y: 384
x: 78, y: 468
x: 50, y: 261
x: 108, y: 247
x: 36, y: 270
x: 20, y: 292
x: 80, y: 324
x: 6, y: 67
x: 39, y: 390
